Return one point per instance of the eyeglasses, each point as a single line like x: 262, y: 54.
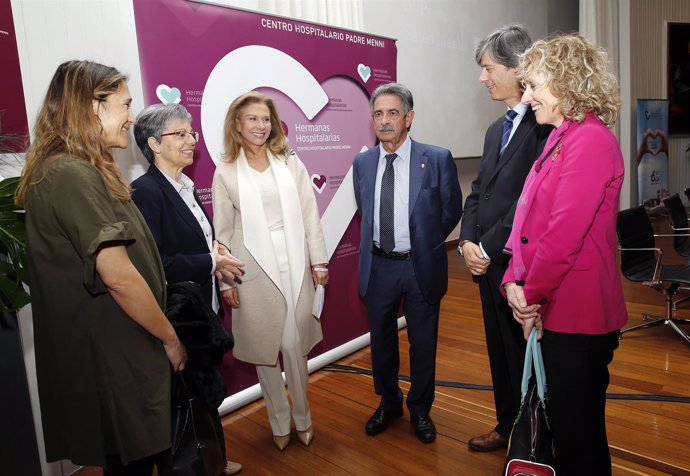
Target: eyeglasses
x: 182, y: 134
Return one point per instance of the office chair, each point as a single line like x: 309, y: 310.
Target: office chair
x: 641, y: 261
x: 679, y: 224
x: 681, y: 233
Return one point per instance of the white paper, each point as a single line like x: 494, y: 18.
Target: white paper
x: 318, y: 301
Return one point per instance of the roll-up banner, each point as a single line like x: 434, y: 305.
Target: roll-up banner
x: 652, y: 151
x: 13, y: 122
x: 203, y: 56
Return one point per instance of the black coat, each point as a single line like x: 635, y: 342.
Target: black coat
x: 490, y: 207
x: 179, y: 238
x: 204, y: 336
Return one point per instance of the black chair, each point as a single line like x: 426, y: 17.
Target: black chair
x: 641, y: 261
x: 681, y: 233
x: 679, y: 224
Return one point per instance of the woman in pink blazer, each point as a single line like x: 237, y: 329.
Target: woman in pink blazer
x: 563, y: 277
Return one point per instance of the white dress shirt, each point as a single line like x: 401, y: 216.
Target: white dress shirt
x: 401, y: 166
x: 186, y: 191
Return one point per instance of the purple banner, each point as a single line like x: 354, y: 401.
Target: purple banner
x: 12, y: 108
x: 204, y: 56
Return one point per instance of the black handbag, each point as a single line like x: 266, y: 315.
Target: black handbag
x: 530, y: 449
x: 195, y: 449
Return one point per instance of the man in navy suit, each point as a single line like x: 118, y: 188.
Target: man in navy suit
x: 512, y: 144
x: 409, y: 200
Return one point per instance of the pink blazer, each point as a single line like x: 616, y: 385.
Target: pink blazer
x: 565, y: 233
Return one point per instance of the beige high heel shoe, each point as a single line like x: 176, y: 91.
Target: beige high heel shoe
x: 306, y: 436
x: 281, y: 441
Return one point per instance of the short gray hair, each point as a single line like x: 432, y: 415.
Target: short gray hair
x: 151, y: 122
x: 395, y: 89
x: 505, y: 45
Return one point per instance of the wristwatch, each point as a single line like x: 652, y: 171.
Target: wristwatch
x: 460, y: 246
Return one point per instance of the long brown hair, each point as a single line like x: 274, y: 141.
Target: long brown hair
x: 276, y: 143
x: 66, y: 124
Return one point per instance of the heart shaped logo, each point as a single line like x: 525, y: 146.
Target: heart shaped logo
x: 364, y: 72
x: 317, y: 118
x: 654, y: 144
x: 318, y: 182
x: 168, y: 95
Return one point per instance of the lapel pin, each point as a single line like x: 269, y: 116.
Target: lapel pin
x: 423, y: 165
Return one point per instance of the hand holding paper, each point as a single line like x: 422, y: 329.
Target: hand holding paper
x: 318, y: 301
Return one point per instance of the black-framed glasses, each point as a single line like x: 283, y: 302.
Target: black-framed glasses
x: 182, y: 134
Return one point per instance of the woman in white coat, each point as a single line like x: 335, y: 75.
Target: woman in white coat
x: 265, y: 212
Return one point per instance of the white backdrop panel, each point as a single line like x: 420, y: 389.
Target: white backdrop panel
x: 436, y: 43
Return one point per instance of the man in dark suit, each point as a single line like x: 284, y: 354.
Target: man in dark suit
x: 511, y: 146
x: 178, y: 222
x: 409, y: 200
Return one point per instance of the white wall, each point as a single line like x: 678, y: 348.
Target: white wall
x: 436, y: 43
x: 50, y: 32
x: 648, y: 35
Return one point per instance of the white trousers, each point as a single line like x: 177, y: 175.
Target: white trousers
x: 296, y: 373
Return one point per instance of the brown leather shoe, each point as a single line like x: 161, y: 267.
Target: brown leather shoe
x: 491, y: 441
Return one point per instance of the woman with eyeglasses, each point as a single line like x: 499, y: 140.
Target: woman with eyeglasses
x: 264, y: 208
x: 183, y: 233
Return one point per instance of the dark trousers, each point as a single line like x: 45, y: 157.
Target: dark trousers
x: 392, y: 283
x: 506, y: 347
x: 218, y: 426
x: 577, y: 376
x: 140, y: 467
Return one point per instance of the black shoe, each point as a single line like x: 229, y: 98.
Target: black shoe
x: 380, y: 420
x: 424, y: 428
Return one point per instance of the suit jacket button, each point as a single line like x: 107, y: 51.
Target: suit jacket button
x: 524, y: 240
x: 487, y: 196
x: 543, y: 301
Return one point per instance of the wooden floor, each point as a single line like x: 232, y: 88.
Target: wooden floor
x: 646, y: 437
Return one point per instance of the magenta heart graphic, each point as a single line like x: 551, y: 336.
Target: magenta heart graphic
x: 319, y: 182
x: 328, y: 143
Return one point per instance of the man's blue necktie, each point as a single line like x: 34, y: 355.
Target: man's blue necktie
x: 386, y: 207
x: 507, y: 127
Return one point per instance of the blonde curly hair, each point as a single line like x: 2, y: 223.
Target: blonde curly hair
x: 577, y: 76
